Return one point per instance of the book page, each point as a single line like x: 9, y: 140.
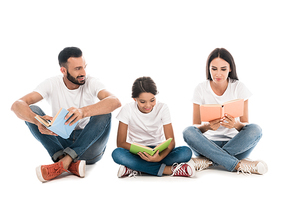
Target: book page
x: 56, y: 116
x: 234, y: 108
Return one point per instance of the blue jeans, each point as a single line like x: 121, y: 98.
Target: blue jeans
x: 177, y: 155
x: 225, y: 153
x: 88, y: 144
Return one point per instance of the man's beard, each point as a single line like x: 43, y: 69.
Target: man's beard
x: 74, y: 80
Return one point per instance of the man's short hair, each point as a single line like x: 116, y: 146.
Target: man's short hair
x: 68, y: 52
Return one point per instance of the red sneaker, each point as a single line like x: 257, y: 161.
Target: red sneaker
x: 48, y: 172
x: 185, y: 170
x: 78, y: 168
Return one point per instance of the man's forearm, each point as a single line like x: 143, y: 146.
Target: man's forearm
x: 105, y: 106
x: 23, y: 111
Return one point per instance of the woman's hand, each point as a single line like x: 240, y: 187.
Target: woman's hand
x: 230, y: 122
x: 155, y: 158
x: 214, y: 124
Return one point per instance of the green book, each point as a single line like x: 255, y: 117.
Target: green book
x: 136, y: 148
x: 57, y: 125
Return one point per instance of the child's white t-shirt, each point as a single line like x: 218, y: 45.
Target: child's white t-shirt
x: 203, y: 94
x: 145, y: 128
x: 59, y: 96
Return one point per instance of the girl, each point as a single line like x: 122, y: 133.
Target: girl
x: 148, y: 122
x: 226, y: 141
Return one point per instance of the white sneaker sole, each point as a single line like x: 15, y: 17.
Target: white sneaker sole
x: 39, y: 174
x: 81, y: 168
x: 191, y: 165
x: 121, y: 171
x: 262, y: 167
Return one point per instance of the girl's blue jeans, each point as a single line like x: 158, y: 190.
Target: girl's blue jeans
x: 88, y: 144
x: 177, y: 155
x: 225, y: 153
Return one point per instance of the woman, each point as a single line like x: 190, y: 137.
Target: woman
x: 148, y: 122
x: 226, y: 141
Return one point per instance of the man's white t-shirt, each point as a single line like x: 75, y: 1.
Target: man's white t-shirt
x: 145, y: 128
x: 203, y: 94
x: 59, y: 96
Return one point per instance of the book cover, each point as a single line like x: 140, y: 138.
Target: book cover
x: 136, y: 148
x: 234, y: 108
x: 57, y: 125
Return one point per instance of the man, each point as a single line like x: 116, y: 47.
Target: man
x: 79, y: 94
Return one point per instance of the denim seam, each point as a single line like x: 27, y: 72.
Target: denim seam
x: 56, y: 155
x: 71, y: 152
x: 161, y: 169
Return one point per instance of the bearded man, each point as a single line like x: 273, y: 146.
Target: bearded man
x: 88, y: 103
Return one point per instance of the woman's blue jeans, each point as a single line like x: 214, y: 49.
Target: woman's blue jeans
x: 88, y: 144
x: 225, y: 153
x: 177, y: 155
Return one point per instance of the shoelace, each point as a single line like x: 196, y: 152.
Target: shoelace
x: 202, y: 164
x: 177, y: 169
x: 133, y: 174
x: 57, y: 169
x: 246, y: 169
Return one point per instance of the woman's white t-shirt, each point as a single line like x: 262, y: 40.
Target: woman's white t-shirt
x: 203, y: 94
x: 59, y: 96
x: 145, y: 128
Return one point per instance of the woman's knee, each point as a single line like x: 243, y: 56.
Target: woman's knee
x: 254, y: 130
x: 190, y: 133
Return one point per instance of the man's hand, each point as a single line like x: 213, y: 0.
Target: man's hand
x: 43, y: 129
x: 74, y: 115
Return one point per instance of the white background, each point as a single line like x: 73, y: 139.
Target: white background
x: 169, y: 41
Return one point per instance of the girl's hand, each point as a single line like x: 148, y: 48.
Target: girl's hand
x: 145, y: 156
x: 228, y: 121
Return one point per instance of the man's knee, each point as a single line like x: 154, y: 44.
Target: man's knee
x: 37, y: 110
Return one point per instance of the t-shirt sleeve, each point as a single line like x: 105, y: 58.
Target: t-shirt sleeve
x: 243, y: 92
x: 166, y: 116
x: 95, y: 86
x: 198, y: 95
x: 124, y: 114
x: 44, y: 88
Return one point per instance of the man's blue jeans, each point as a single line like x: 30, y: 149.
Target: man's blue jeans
x: 88, y: 144
x: 225, y: 153
x: 135, y: 162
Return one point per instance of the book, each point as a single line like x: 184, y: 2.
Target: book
x: 136, y: 148
x: 57, y: 125
x: 234, y: 108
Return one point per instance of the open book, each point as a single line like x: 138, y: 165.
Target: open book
x: 136, y: 148
x: 234, y: 108
x: 57, y: 125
